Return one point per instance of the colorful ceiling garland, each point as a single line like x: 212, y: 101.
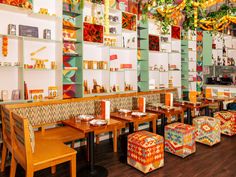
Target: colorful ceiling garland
x: 191, y: 14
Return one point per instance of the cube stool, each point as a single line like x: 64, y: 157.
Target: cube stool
x: 145, y: 151
x: 180, y: 139
x: 227, y: 122
x: 207, y: 130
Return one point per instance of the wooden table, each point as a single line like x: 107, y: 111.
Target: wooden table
x: 92, y: 170
x: 166, y: 115
x: 221, y: 100
x: 135, y: 121
x: 189, y: 106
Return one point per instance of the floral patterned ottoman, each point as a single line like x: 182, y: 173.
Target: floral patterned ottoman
x: 208, y: 130
x: 145, y: 151
x: 227, y: 121
x: 180, y: 139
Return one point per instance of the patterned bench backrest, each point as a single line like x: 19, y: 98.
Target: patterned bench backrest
x: 52, y: 113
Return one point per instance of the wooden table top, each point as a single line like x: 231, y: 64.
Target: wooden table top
x: 191, y: 105
x: 85, y: 127
x: 221, y: 98
x: 130, y: 118
x: 174, y: 111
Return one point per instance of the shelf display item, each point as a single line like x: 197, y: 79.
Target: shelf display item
x: 36, y: 94
x: 39, y: 63
x: 129, y: 21
x: 69, y: 91
x: 43, y: 11
x: 98, y: 88
x: 175, y: 32
x: 12, y: 29
x: 52, y: 91
x: 93, y: 33
x: 69, y: 48
x: 15, y: 95
x: 154, y: 43
x: 5, y: 95
x: 47, y: 34
x: 5, y: 46
x: 28, y: 31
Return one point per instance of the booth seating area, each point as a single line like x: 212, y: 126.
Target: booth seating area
x: 145, y: 149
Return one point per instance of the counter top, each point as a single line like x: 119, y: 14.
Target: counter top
x: 222, y: 86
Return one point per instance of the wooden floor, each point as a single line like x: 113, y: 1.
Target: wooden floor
x: 216, y: 161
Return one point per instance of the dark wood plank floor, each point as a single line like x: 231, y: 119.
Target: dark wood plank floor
x: 217, y: 161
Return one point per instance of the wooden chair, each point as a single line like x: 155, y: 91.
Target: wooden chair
x: 47, y: 153
x: 6, y: 131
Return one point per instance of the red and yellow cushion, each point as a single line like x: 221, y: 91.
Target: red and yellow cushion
x: 145, y: 151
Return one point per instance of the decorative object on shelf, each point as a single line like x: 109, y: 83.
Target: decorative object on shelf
x: 175, y: 32
x: 5, y: 46
x: 36, y: 94
x: 47, y: 34
x: 53, y: 65
x: 38, y: 50
x: 12, y: 29
x: 4, y: 95
x: 26, y: 91
x: 39, y: 63
x: 110, y: 41
x: 113, y: 18
x: 170, y: 83
x: 15, y: 95
x: 93, y: 33
x: 128, y: 87
x: 97, y: 88
x: 28, y: 31
x: 43, y: 11
x: 52, y: 91
x: 129, y: 21
x: 28, y: 4
x: 154, y: 43
x: 126, y: 66
x: 122, y: 5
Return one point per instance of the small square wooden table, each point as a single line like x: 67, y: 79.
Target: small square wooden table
x: 166, y: 115
x: 135, y: 121
x: 189, y: 106
x: 92, y: 170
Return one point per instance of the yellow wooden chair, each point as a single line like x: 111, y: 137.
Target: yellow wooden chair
x: 45, y: 153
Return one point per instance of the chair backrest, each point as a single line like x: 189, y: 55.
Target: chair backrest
x: 6, y: 127
x: 21, y: 146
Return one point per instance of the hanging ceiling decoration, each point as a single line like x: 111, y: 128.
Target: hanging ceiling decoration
x: 190, y: 14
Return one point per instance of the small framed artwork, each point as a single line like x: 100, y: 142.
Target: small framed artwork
x: 28, y: 31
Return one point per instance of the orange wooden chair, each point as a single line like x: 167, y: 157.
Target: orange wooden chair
x: 6, y: 131
x: 44, y: 154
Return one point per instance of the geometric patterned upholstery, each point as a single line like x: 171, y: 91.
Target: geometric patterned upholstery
x: 208, y: 130
x: 180, y: 139
x: 227, y: 121
x: 51, y: 113
x: 145, y: 151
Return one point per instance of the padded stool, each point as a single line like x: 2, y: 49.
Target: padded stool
x: 145, y: 151
x: 227, y: 122
x: 180, y: 139
x: 208, y: 130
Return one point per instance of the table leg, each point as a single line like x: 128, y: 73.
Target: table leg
x: 207, y: 111
x: 221, y: 105
x: 151, y: 126
x: 92, y: 170
x: 154, y: 126
x: 189, y: 116
x: 163, y: 123
x: 131, y: 127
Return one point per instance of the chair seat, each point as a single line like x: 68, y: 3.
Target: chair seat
x: 50, y: 151
x: 62, y: 134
